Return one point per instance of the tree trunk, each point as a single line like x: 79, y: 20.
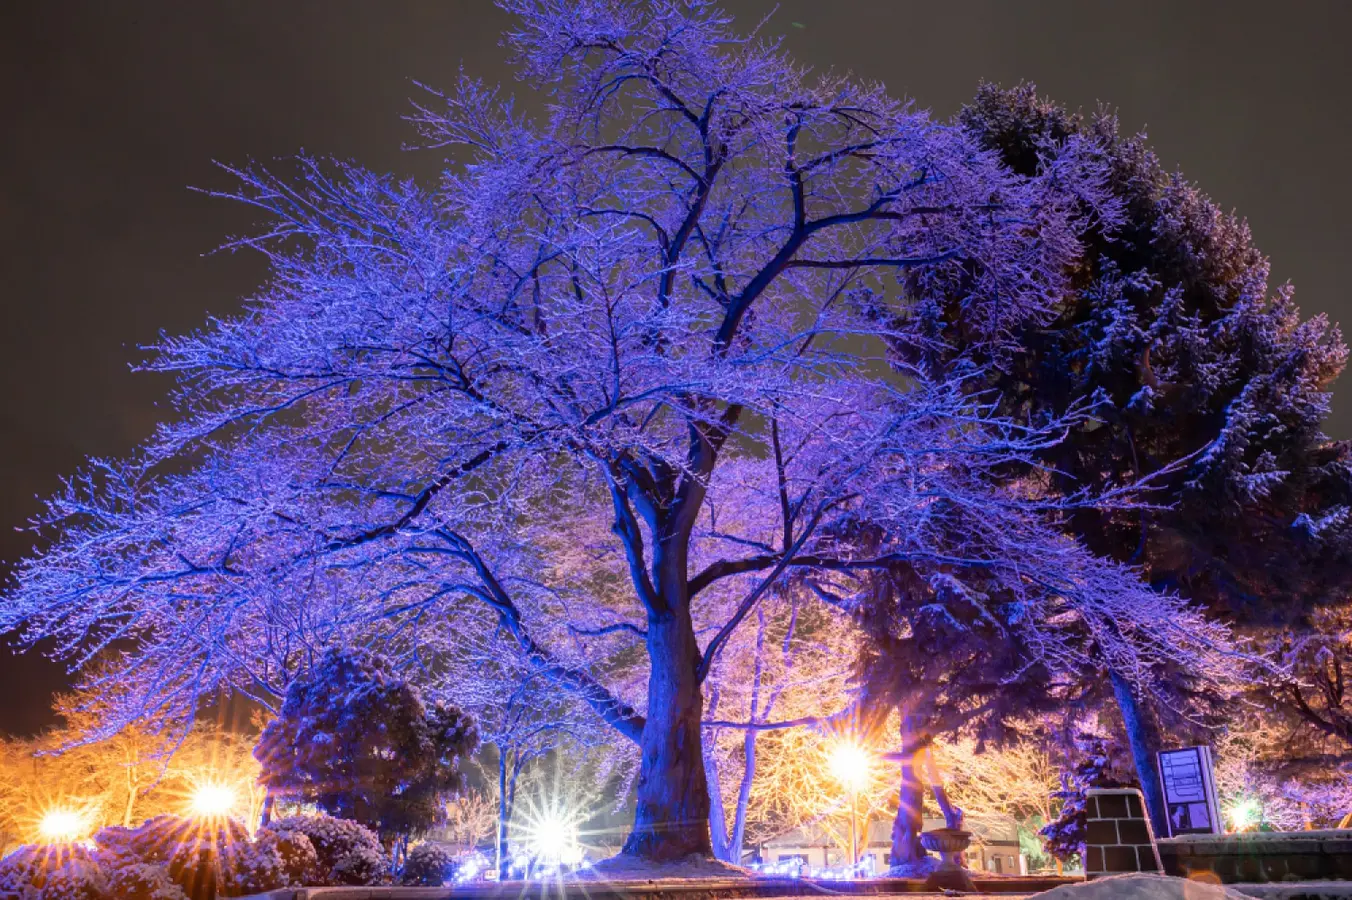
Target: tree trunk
x: 671, y: 820
x: 718, y: 823
x: 728, y: 846
x: 129, y: 811
x: 743, y: 797
x: 1144, y: 743
x: 910, y: 820
x: 504, y: 816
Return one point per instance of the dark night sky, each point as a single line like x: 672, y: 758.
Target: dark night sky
x: 109, y: 111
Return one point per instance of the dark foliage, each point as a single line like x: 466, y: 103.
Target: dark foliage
x: 1105, y: 764
x: 359, y: 741
x: 1192, y: 362
x: 428, y: 865
x: 945, y: 658
x: 1174, y: 331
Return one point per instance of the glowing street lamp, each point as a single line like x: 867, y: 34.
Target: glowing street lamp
x: 60, y: 825
x: 553, y: 838
x: 1245, y: 814
x: 849, y: 764
x: 212, y: 800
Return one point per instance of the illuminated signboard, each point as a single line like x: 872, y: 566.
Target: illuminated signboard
x: 1189, y: 791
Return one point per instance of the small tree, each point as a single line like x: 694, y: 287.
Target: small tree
x: 793, y: 665
x: 358, y: 741
x: 1105, y: 764
x: 470, y: 817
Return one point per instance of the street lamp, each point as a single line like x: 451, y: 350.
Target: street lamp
x: 212, y: 800
x: 60, y: 825
x: 1246, y: 814
x: 554, y: 839
x: 849, y: 765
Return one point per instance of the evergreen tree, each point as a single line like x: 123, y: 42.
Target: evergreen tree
x: 1204, y: 382
x: 357, y: 740
x: 948, y: 661
x: 1104, y: 764
x: 1174, y: 331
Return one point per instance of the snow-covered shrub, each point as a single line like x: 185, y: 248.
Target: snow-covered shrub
x: 76, y: 879
x: 253, y: 869
x: 70, y: 870
x: 143, y: 881
x: 282, y: 859
x: 428, y: 865
x: 361, y: 866
x: 114, y: 847
x: 192, y: 852
x: 347, y: 852
x: 272, y: 861
x: 300, y: 861
x: 167, y: 838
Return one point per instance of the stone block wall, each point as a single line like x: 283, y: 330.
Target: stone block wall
x: 1118, y: 837
x: 1256, y: 857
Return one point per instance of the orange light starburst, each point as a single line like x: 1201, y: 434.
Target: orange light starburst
x: 64, y: 825
x: 213, y: 799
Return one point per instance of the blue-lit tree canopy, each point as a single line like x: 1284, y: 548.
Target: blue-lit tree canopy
x: 626, y: 372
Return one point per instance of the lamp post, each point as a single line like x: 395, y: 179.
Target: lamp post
x: 849, y: 766
x: 854, y: 815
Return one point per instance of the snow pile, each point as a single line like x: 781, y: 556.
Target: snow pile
x: 1143, y: 887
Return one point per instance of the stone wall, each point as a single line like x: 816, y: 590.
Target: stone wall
x: 1256, y: 857
x: 1118, y: 837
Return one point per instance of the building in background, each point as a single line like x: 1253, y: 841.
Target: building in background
x: 994, y: 850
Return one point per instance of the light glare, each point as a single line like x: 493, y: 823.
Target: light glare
x: 849, y: 764
x: 554, y: 840
x: 213, y: 800
x: 1245, y: 814
x: 61, y: 826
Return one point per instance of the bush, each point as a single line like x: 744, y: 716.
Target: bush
x: 192, y: 853
x: 271, y: 862
x: 275, y: 860
x: 143, y: 881
x: 300, y: 861
x: 77, y: 879
x: 347, y: 852
x: 69, y: 870
x: 1105, y: 764
x: 361, y: 866
x: 253, y: 869
x: 172, y: 858
x: 428, y: 865
x: 357, y: 739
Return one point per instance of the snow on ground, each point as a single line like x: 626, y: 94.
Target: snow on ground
x: 627, y: 868
x: 1143, y: 887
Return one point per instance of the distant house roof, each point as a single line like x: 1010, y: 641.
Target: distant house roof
x: 985, y: 829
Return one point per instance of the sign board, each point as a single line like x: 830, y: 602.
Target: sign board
x: 1190, y: 791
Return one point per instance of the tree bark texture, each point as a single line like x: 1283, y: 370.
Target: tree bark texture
x: 1144, y: 742
x: 910, y: 820
x: 671, y: 820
